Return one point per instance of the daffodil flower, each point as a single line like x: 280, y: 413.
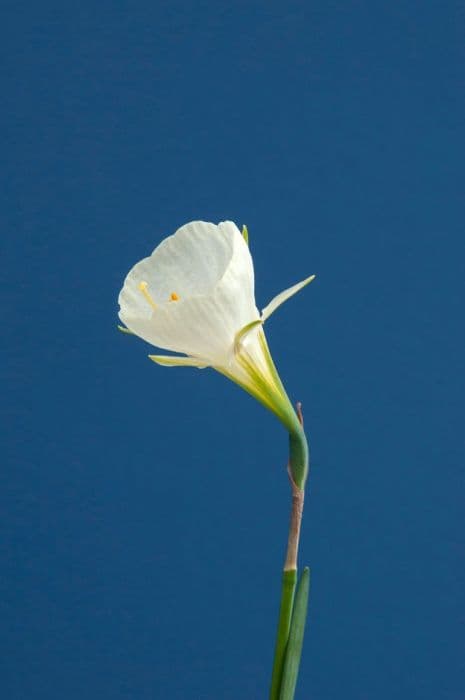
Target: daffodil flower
x: 195, y: 295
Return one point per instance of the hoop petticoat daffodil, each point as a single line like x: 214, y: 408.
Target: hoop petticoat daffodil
x: 195, y: 295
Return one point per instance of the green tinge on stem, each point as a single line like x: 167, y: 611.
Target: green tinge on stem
x: 285, y: 613
x: 296, y: 638
x: 298, y: 456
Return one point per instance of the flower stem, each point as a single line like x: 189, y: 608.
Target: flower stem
x: 289, y: 578
x: 289, y: 581
x: 294, y: 527
x: 298, y: 492
x: 296, y: 638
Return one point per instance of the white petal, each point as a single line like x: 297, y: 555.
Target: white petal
x: 174, y: 361
x: 284, y: 296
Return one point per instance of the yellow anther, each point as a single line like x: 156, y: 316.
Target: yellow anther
x: 143, y: 288
x: 174, y: 297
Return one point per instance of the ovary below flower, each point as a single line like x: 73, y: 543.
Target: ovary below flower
x: 195, y: 295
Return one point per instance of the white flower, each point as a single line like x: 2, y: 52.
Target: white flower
x: 195, y: 295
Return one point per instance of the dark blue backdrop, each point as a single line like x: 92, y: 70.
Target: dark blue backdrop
x: 146, y: 508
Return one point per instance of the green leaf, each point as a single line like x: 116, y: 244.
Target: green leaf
x: 285, y: 612
x: 245, y: 234
x: 123, y: 329
x: 296, y: 638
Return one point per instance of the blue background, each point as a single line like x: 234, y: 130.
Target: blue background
x: 145, y: 509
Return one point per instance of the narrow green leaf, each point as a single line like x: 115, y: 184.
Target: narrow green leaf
x: 296, y: 638
x: 245, y: 234
x: 123, y: 329
x: 285, y: 612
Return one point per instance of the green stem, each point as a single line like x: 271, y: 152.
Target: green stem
x: 285, y: 614
x: 297, y: 470
x: 296, y: 638
x: 298, y: 456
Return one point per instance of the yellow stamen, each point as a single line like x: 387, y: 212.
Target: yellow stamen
x: 174, y: 297
x: 143, y: 288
